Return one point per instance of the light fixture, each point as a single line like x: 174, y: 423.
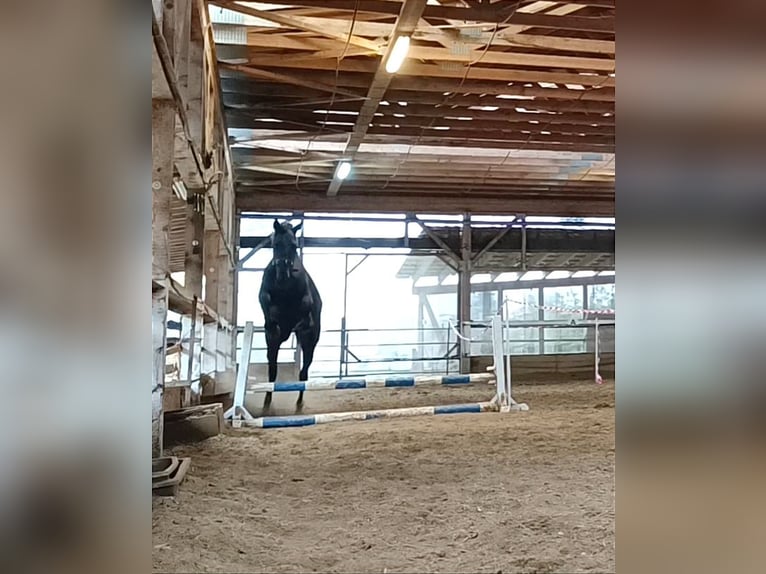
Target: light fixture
x: 398, y: 54
x: 344, y: 168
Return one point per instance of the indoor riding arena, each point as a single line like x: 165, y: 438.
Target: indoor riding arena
x: 383, y: 295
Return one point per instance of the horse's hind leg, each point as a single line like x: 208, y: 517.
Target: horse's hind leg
x: 308, y: 341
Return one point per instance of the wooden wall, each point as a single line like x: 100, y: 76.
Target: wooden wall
x: 552, y: 368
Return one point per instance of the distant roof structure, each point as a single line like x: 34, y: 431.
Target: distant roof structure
x: 546, y: 250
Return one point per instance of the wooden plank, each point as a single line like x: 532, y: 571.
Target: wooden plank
x: 181, y: 41
x: 450, y: 54
x: 528, y: 145
x: 404, y: 167
x: 448, y: 38
x: 163, y: 124
x: 195, y: 239
x: 485, y: 109
x: 489, y: 14
x: 411, y: 68
x: 421, y: 89
x: 569, y: 367
x: 285, y: 78
x: 159, y: 317
x: 456, y: 131
x: 211, y: 262
x: 397, y: 203
x: 425, y: 162
x: 510, y: 123
x: 184, y: 158
x: 195, y: 82
x: 519, y: 187
x: 160, y: 87
x: 557, y: 43
x: 513, y: 59
x: 431, y: 104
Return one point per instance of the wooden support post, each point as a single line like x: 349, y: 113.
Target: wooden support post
x: 195, y: 240
x: 163, y: 126
x: 224, y: 310
x: 235, y: 289
x: 163, y: 133
x: 159, y: 317
x: 191, y: 355
x: 183, y: 9
x: 464, y: 293
x: 210, y: 263
x: 196, y: 80
x: 168, y: 25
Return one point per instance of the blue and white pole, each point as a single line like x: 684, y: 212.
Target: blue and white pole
x: 371, y: 382
x: 309, y: 420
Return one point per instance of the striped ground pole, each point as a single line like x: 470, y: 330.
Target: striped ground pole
x: 371, y: 382
x: 309, y: 420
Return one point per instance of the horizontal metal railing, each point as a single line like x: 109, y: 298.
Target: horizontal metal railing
x: 432, y: 356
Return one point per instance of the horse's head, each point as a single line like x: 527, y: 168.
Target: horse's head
x: 285, y: 247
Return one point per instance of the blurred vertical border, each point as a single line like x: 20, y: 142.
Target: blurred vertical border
x: 691, y: 258
x: 74, y: 299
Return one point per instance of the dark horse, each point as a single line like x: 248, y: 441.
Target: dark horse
x: 290, y: 302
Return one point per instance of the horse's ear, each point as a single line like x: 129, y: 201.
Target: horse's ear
x: 297, y: 227
x: 277, y: 226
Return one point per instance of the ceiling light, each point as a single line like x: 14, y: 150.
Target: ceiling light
x: 398, y: 54
x: 484, y: 108
x: 344, y: 168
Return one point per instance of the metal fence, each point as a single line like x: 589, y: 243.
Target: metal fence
x: 351, y: 352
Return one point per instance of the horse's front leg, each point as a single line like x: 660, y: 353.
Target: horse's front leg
x: 272, y: 351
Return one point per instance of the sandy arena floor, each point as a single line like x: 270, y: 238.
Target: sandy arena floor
x: 521, y: 492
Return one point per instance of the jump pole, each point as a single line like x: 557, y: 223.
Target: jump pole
x: 502, y: 401
x: 308, y: 420
x: 371, y: 382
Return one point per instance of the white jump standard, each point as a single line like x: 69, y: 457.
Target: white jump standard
x: 499, y: 375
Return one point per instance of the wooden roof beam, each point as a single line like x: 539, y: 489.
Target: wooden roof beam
x: 398, y: 203
x: 412, y: 68
x: 286, y: 79
x: 488, y: 13
x: 429, y: 90
x: 406, y: 23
